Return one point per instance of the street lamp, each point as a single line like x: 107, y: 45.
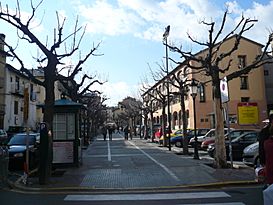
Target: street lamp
x: 193, y: 92
x: 165, y: 38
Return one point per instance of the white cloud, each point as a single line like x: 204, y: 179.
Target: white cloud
x: 114, y: 91
x: 147, y: 19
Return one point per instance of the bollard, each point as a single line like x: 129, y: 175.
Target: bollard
x: 4, y: 165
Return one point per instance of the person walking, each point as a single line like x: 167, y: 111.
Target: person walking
x: 264, y: 135
x: 268, y: 154
x: 104, y: 132
x: 126, y: 131
x: 110, y: 132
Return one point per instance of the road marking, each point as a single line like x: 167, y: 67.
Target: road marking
x: 158, y: 163
x: 109, y: 151
x: 124, y: 197
x: 227, y: 203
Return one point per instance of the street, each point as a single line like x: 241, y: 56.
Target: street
x: 225, y: 196
x: 139, y: 172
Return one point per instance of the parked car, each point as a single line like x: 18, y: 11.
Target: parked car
x: 159, y: 134
x: 251, y: 155
x: 238, y: 144
x: 17, y: 150
x: 209, y: 134
x: 14, y: 130
x: 3, y: 137
x: 178, y: 140
x: 233, y: 134
x: 178, y: 132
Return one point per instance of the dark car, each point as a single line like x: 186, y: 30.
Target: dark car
x: 14, y: 130
x: 233, y: 134
x: 238, y: 145
x: 17, y: 147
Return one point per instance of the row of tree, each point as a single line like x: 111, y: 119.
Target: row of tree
x: 51, y: 60
x: 208, y: 63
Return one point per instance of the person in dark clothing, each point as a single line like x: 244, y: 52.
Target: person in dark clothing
x: 268, y: 151
x: 264, y: 135
x: 126, y: 131
x: 104, y: 132
x: 110, y: 131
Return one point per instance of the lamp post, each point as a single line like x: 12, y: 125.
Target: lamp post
x: 165, y: 38
x: 193, y: 93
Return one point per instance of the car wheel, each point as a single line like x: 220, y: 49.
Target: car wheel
x: 178, y: 144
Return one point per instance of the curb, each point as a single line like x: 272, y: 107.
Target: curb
x: 17, y: 186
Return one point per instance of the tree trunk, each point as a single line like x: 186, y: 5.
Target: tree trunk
x: 220, y: 150
x: 46, y: 145
x: 184, y: 139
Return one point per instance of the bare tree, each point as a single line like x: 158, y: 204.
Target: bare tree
x: 52, y: 59
x: 209, y: 63
x: 180, y: 81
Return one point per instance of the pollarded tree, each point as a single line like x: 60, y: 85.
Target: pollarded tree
x: 209, y: 62
x: 52, y: 58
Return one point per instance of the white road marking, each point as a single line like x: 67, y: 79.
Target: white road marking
x: 109, y: 151
x: 227, y: 203
x: 158, y: 163
x: 124, y: 197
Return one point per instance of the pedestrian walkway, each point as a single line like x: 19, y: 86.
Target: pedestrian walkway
x: 137, y: 164
x: 162, y: 196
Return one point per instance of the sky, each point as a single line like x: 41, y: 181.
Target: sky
x: 129, y: 34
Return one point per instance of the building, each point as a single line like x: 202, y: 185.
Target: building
x: 19, y: 96
x: 253, y: 88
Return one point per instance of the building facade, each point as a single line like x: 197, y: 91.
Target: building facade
x: 253, y: 89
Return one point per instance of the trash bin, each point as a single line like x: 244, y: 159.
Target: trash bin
x: 4, y: 165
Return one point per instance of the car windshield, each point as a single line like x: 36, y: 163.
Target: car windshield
x: 249, y: 137
x: 21, y: 139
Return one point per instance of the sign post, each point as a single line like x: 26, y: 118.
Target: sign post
x: 44, y: 154
x: 225, y: 99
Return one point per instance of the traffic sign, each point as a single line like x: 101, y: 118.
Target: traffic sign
x: 224, y: 90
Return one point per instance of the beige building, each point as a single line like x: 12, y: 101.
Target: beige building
x: 248, y: 92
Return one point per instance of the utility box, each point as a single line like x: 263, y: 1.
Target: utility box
x: 67, y: 144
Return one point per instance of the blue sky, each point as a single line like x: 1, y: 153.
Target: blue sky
x: 130, y: 32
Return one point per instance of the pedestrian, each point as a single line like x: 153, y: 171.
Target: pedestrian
x: 264, y: 135
x: 110, y: 131
x: 104, y: 132
x: 126, y: 131
x: 131, y: 133
x: 268, y: 154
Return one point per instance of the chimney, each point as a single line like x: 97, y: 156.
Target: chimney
x: 2, y: 41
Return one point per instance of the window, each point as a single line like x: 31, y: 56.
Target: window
x: 244, y: 99
x: 266, y: 72
x: 202, y: 93
x: 17, y: 83
x: 241, y: 61
x: 16, y: 106
x: 244, y: 82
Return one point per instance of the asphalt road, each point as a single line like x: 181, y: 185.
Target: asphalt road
x: 251, y: 195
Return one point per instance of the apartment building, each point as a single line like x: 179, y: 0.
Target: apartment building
x: 253, y: 88
x: 20, y: 98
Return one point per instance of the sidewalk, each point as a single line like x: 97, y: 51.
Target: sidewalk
x: 89, y: 177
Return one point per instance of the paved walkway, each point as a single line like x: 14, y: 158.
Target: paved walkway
x: 136, y: 165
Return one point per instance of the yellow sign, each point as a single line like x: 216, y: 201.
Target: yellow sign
x: 248, y: 113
